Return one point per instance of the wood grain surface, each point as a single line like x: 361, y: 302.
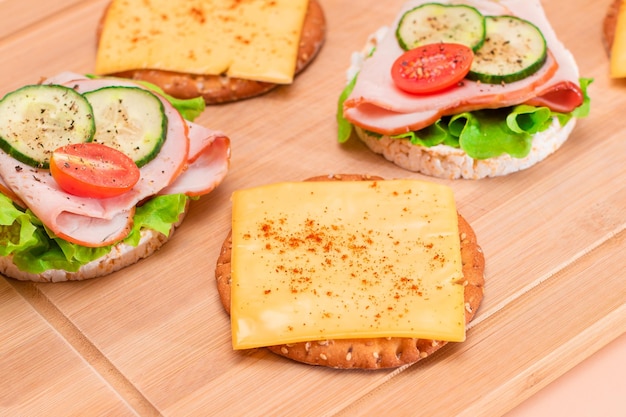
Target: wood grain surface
x: 154, y: 340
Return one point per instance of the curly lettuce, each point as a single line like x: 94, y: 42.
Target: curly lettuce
x: 36, y: 249
x: 484, y: 133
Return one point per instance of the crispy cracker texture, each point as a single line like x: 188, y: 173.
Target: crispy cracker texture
x: 374, y: 353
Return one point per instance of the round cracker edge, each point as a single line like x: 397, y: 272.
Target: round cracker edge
x: 609, y: 24
x: 374, y: 353
x: 443, y: 161
x: 220, y: 89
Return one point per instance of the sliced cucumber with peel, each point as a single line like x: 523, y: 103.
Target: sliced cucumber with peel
x: 37, y: 119
x: 513, y: 49
x: 435, y: 23
x: 129, y: 119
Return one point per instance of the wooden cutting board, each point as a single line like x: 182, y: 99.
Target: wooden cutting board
x: 154, y: 340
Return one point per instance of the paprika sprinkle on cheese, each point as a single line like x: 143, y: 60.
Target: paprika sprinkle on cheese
x: 382, y: 256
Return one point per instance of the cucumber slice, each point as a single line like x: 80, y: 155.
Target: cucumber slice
x: 435, y: 23
x: 514, y: 48
x: 129, y: 119
x: 37, y: 119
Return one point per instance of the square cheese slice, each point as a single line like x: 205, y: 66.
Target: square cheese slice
x: 253, y: 39
x: 345, y: 259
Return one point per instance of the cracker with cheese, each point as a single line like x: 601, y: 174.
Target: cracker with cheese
x: 220, y: 50
x: 349, y: 271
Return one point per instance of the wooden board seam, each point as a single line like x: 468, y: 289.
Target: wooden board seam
x: 99, y: 363
x: 617, y: 234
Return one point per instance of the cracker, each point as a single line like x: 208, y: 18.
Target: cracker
x: 216, y: 89
x: 371, y: 353
x: 609, y: 24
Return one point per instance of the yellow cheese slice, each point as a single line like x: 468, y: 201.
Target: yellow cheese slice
x: 345, y: 259
x: 253, y: 39
x: 618, y: 50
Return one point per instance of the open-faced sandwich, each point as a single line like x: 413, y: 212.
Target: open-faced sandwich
x: 464, y: 89
x: 349, y: 271
x: 96, y: 174
x: 220, y: 50
x: 614, y: 37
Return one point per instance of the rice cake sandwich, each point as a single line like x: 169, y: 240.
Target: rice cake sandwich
x: 96, y: 174
x: 464, y: 89
x: 349, y: 271
x: 222, y: 51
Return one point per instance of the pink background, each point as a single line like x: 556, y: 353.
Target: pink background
x: 594, y: 388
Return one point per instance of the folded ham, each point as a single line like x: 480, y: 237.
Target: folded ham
x: 376, y: 104
x: 191, y: 164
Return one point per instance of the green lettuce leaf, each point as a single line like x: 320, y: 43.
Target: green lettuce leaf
x: 583, y: 110
x: 16, y: 228
x: 158, y: 213
x: 435, y: 134
x: 344, y: 126
x: 36, y: 249
x: 189, y: 108
x: 489, y: 133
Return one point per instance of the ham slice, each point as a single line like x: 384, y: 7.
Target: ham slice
x: 6, y: 190
x: 376, y: 104
x: 96, y: 222
x: 208, y: 162
x: 100, y: 222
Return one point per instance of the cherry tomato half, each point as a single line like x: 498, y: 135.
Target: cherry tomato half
x: 93, y: 170
x: 431, y: 68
